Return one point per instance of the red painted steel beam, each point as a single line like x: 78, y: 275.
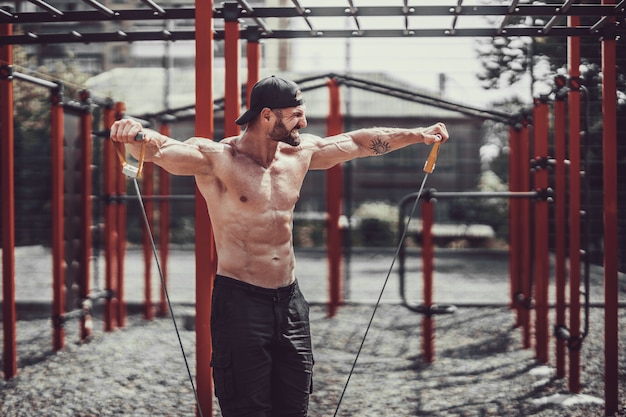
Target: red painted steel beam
x: 120, y: 190
x: 609, y: 175
x: 206, y: 258
x: 232, y: 54
x: 148, y: 189
x: 164, y: 225
x: 573, y: 100
x: 109, y: 171
x: 541, y: 237
x: 524, y: 220
x: 334, y: 197
x: 86, y: 215
x: 7, y: 172
x: 253, y: 54
x: 560, y: 217
x: 428, y: 254
x: 514, y: 225
x: 58, y: 257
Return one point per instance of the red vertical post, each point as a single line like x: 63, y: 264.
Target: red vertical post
x: 428, y: 253
x: 120, y: 188
x: 86, y: 205
x: 58, y: 257
x: 609, y: 175
x: 109, y: 171
x: 164, y: 225
x: 541, y: 252
x: 148, y: 189
x: 573, y: 99
x: 206, y: 258
x: 253, y: 55
x: 232, y: 54
x: 514, y: 225
x: 559, y: 219
x: 524, y: 220
x: 334, y: 195
x: 7, y: 173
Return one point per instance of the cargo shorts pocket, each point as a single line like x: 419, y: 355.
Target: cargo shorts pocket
x: 223, y: 375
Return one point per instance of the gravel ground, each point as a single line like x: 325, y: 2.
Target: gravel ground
x: 480, y: 368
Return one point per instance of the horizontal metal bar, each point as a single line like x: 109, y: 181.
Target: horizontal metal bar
x: 175, y: 197
x: 86, y: 38
x: 35, y: 80
x: 487, y: 194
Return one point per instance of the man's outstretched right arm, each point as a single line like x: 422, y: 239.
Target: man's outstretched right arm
x: 191, y: 157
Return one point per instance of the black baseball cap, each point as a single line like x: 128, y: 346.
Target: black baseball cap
x: 272, y: 92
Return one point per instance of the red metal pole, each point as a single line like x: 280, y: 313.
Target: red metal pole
x: 120, y: 188
x: 559, y: 226
x: 514, y: 225
x: 253, y: 54
x: 609, y: 175
x: 206, y: 258
x: 7, y: 173
x: 58, y: 257
x: 109, y: 171
x: 428, y: 253
x: 524, y: 220
x: 232, y: 53
x: 541, y: 253
x: 574, y: 208
x: 148, y: 189
x: 86, y: 204
x: 334, y: 195
x: 164, y: 225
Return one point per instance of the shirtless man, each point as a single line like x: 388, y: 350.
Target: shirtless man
x: 262, y: 358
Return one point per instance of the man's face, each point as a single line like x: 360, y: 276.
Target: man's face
x: 288, y: 124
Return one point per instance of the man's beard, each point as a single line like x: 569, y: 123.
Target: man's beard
x: 280, y: 134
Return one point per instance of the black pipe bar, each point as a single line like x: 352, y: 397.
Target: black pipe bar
x: 180, y: 35
x: 486, y: 194
x: 55, y: 15
x: 157, y: 10
x: 101, y: 8
x: 174, y: 197
x: 51, y: 10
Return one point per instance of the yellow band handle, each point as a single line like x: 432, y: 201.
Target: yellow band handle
x: 127, y: 169
x: 429, y: 166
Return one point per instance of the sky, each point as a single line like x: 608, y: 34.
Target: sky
x: 419, y: 61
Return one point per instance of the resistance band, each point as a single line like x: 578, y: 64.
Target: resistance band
x: 429, y: 167
x: 135, y: 172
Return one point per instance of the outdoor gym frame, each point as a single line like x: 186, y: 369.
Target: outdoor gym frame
x: 605, y: 27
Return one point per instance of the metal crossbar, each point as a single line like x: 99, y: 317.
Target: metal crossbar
x: 498, y: 20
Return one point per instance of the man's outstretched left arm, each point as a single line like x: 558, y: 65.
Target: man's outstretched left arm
x: 372, y: 142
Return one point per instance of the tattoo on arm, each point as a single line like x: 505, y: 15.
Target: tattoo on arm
x: 379, y: 147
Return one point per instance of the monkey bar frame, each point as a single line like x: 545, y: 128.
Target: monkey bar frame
x: 606, y: 16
